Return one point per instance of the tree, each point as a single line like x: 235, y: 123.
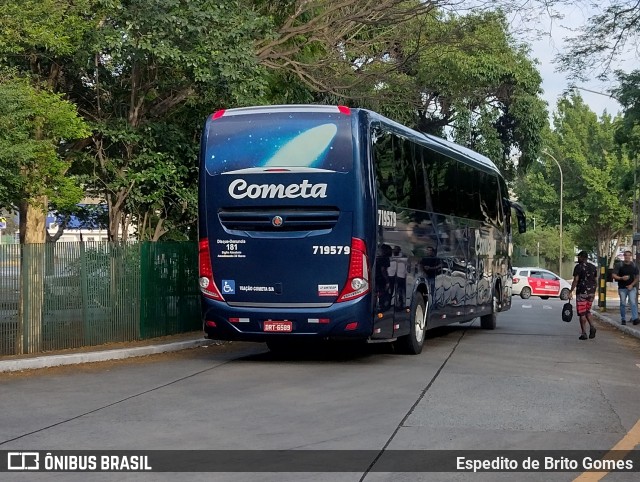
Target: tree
x: 331, y: 46
x: 596, y: 170
x: 32, y: 33
x: 150, y: 74
x: 145, y: 74
x: 463, y: 76
x: 476, y: 79
x: 545, y: 240
x: 628, y: 94
x: 38, y: 37
x: 35, y: 127
x: 614, y: 30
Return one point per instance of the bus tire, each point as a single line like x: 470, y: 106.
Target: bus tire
x: 488, y: 322
x: 412, y: 343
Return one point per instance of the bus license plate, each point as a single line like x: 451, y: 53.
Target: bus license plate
x: 279, y: 326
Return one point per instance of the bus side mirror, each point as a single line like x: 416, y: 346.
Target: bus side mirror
x: 522, y: 219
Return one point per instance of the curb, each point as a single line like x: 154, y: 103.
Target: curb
x: 624, y: 328
x: 97, y: 356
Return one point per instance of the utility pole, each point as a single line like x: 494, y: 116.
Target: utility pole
x: 635, y: 198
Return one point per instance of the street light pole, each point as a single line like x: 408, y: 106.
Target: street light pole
x: 636, y: 204
x: 561, y: 187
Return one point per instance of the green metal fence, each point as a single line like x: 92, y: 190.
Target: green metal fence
x: 67, y: 295
x: 170, y: 301
x: 9, y: 297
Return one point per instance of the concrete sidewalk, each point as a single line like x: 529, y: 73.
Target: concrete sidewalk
x: 100, y: 355
x: 611, y: 315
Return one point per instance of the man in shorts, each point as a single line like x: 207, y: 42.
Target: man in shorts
x: 585, y: 279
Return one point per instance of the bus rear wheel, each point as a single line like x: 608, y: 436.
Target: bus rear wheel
x: 488, y: 322
x: 412, y: 343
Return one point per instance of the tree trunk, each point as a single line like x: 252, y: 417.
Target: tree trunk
x: 114, y: 219
x: 159, y: 231
x: 32, y: 237
x: 33, y: 215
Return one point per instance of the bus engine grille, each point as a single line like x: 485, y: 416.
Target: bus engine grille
x: 279, y: 219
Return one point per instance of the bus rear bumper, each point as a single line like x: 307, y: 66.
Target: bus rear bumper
x: 350, y: 320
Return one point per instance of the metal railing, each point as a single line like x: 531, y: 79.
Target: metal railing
x: 55, y: 296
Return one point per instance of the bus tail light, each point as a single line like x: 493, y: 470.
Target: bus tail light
x: 207, y: 285
x: 357, y: 284
x: 217, y: 114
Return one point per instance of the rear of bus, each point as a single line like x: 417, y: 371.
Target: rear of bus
x: 282, y: 225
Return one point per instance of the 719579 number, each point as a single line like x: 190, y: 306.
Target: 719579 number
x: 387, y: 218
x: 332, y: 250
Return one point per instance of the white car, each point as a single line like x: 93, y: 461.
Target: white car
x: 540, y: 282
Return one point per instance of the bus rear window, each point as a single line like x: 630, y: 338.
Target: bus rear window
x: 293, y: 140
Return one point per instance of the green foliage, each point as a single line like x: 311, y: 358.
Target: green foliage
x: 465, y: 75
x: 155, y: 46
x: 628, y: 94
x: 160, y: 67
x: 50, y: 26
x: 608, y: 34
x: 146, y: 73
x: 546, y: 241
x: 35, y: 126
x: 485, y: 86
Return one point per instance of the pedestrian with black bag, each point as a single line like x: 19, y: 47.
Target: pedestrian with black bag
x: 585, y: 281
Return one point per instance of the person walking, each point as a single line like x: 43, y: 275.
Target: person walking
x: 627, y: 278
x: 585, y: 276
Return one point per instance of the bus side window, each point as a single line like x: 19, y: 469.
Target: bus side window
x: 420, y: 158
x: 400, y: 164
x: 414, y: 174
x: 442, y: 176
x: 506, y: 206
x: 383, y: 160
x: 400, y: 178
x: 469, y: 181
x: 489, y: 198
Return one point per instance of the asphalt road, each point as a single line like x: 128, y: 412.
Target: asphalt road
x: 528, y: 385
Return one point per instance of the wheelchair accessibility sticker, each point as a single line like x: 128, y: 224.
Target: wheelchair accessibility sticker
x: 228, y: 287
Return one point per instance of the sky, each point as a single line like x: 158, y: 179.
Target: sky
x: 546, y: 47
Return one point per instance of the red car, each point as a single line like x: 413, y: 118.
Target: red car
x: 540, y: 282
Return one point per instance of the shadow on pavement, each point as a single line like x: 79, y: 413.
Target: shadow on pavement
x: 341, y: 351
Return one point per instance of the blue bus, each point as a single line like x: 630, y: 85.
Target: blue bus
x: 329, y: 222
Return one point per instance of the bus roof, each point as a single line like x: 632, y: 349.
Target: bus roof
x: 263, y: 109
x: 442, y: 145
